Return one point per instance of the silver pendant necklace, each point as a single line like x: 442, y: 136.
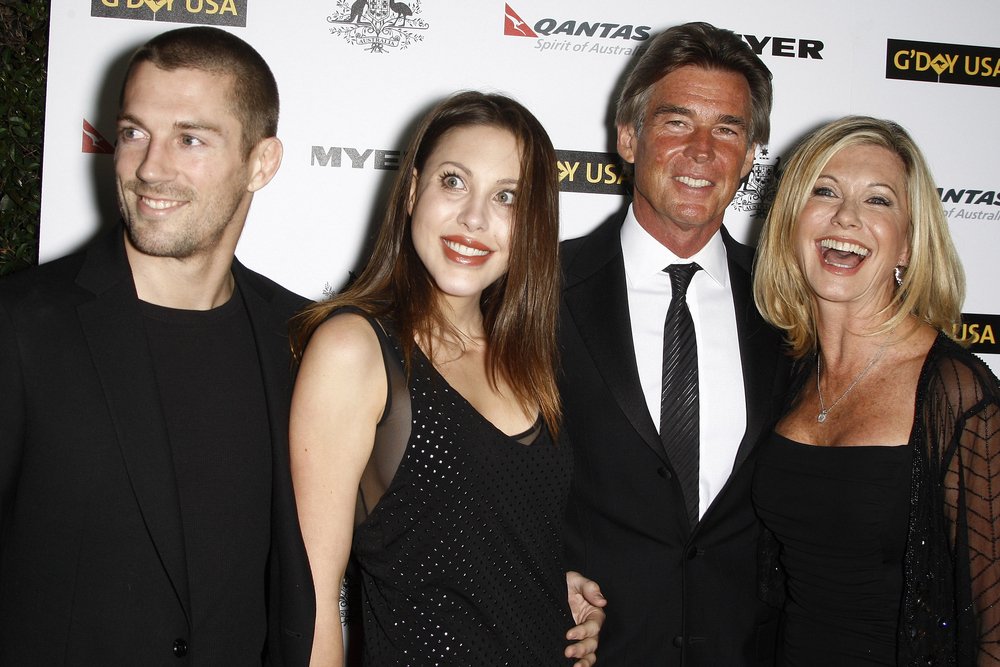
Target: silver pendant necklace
x: 823, y: 410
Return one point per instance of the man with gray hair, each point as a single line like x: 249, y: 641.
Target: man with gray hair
x: 669, y: 375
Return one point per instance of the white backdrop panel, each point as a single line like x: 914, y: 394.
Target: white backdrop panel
x: 341, y: 98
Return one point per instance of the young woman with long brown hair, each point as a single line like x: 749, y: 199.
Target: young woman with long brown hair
x: 425, y: 418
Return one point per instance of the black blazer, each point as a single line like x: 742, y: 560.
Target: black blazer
x: 92, y: 558
x: 675, y: 596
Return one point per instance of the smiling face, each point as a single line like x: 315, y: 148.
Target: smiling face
x: 184, y: 181
x: 462, y: 205
x: 690, y: 155
x: 852, y: 230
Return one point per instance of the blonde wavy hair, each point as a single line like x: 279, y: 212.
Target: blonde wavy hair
x: 933, y: 286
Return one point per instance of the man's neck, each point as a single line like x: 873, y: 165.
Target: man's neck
x: 682, y: 242
x: 201, y: 282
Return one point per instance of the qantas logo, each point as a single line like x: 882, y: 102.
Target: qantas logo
x: 514, y: 26
x: 93, y: 141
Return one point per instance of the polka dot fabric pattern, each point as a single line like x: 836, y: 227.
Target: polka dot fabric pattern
x: 461, y: 559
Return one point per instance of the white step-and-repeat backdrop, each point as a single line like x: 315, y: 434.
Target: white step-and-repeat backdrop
x: 355, y: 75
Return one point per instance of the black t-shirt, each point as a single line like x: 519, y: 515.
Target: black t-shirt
x: 213, y: 402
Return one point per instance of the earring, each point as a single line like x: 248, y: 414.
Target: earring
x: 898, y: 274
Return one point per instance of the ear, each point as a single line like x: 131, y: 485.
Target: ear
x: 626, y: 142
x: 413, y: 191
x: 265, y: 158
x: 904, y: 257
x: 748, y: 160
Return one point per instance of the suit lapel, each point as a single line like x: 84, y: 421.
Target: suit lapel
x: 596, y: 300
x: 270, y: 332
x: 115, y: 333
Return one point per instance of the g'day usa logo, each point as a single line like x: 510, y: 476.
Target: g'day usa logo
x: 202, y: 12
x: 378, y: 25
x: 942, y: 63
x: 978, y: 330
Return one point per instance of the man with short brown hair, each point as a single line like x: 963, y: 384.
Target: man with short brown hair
x: 145, y: 499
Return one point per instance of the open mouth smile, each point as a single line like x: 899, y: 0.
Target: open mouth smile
x: 842, y: 254
x: 467, y: 251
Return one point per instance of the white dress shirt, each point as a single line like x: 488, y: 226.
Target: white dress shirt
x: 722, y: 403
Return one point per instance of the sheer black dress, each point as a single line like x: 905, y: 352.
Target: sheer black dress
x: 946, y: 581
x: 460, y: 559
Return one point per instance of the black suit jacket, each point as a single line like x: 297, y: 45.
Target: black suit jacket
x: 676, y: 596
x: 92, y: 554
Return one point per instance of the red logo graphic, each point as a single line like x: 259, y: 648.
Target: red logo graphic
x: 514, y: 26
x: 93, y: 142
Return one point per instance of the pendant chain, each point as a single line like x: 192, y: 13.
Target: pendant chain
x: 823, y: 410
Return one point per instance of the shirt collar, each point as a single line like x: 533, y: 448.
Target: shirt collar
x: 646, y: 257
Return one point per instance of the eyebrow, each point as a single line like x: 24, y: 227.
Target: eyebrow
x: 887, y: 186
x: 191, y: 125
x: 674, y: 109
x: 671, y: 110
x: 179, y: 125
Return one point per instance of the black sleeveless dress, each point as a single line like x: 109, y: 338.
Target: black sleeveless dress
x: 460, y: 561
x: 840, y: 515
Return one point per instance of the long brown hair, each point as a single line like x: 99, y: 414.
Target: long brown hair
x: 520, y: 309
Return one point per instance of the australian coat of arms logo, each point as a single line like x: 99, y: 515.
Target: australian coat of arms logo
x: 378, y: 25
x: 757, y: 190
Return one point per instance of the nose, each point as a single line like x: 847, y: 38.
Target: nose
x: 699, y: 146
x: 473, y: 215
x: 156, y: 165
x: 846, y: 215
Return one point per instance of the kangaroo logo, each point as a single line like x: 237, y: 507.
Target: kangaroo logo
x: 757, y: 190
x: 378, y: 25
x: 514, y: 26
x: 94, y: 141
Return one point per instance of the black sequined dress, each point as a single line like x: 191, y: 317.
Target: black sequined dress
x: 461, y: 559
